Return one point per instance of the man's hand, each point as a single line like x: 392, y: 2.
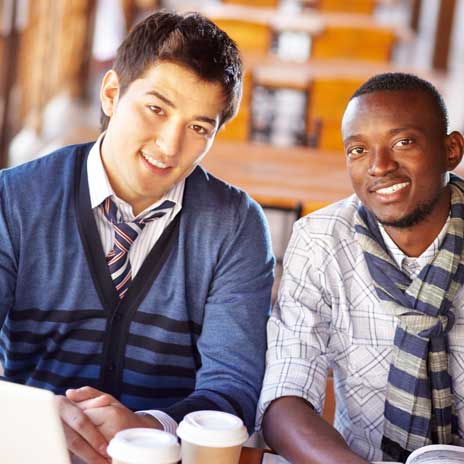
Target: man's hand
x: 108, y: 414
x: 82, y: 436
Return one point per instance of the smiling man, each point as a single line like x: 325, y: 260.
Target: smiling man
x: 373, y: 289
x: 131, y: 280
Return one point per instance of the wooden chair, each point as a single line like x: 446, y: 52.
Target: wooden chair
x: 327, y: 100
x: 250, y: 36
x: 254, y: 3
x: 357, y: 42
x: 329, y: 406
x: 347, y: 6
x: 238, y: 129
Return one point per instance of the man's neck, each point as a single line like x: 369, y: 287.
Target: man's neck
x: 413, y: 241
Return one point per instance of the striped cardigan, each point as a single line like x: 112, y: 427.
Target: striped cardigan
x: 190, y: 333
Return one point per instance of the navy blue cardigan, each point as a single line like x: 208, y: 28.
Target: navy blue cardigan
x: 190, y: 333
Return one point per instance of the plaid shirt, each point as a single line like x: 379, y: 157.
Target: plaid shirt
x: 328, y: 316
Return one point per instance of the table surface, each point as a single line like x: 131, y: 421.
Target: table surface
x: 281, y: 176
x: 271, y: 71
x: 251, y: 456
x: 310, y: 22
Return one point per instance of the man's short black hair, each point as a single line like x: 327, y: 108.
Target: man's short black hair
x: 397, y: 81
x: 190, y: 40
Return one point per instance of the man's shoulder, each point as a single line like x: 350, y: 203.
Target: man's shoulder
x: 205, y: 191
x: 38, y: 181
x: 332, y: 223
x: 48, y: 164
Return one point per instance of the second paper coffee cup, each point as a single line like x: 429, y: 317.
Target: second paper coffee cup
x: 211, y: 437
x: 144, y: 446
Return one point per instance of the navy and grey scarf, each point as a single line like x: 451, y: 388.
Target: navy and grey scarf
x: 419, y: 405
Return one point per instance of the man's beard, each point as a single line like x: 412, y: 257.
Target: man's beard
x: 415, y: 217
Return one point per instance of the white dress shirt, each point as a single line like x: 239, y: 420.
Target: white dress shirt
x: 99, y: 189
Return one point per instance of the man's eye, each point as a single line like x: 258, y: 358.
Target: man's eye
x: 199, y: 129
x: 356, y: 152
x: 404, y: 142
x: 155, y: 109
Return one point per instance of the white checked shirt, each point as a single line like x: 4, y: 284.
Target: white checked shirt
x: 328, y: 316
x: 99, y: 189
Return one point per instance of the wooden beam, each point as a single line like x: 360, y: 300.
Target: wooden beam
x: 416, y: 9
x: 10, y: 52
x: 82, y: 90
x: 443, y: 34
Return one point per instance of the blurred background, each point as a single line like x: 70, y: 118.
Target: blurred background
x: 303, y: 60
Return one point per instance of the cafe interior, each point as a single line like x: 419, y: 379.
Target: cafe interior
x: 303, y: 59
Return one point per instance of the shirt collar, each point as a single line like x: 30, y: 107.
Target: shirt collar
x: 100, y: 188
x: 413, y: 265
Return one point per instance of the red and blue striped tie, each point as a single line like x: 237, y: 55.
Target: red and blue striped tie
x: 125, y: 234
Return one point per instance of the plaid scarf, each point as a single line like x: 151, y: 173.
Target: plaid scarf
x: 419, y: 404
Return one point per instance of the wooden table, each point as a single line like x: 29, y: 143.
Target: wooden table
x: 272, y: 71
x: 313, y: 3
x: 281, y: 177
x: 251, y: 456
x: 311, y: 22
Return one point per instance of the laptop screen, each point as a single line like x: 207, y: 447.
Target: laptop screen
x: 30, y: 426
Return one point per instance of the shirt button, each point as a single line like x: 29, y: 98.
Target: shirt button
x: 111, y: 367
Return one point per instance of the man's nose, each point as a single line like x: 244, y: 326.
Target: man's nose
x: 381, y: 162
x: 170, y: 139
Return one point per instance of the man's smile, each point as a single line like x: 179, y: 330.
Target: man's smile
x: 154, y: 162
x: 392, y: 188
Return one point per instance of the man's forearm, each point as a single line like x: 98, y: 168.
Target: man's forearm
x: 295, y: 431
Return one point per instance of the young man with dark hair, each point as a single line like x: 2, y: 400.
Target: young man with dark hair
x: 373, y: 289
x: 130, y: 278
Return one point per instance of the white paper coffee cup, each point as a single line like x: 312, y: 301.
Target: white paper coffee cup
x: 212, y: 437
x: 144, y: 446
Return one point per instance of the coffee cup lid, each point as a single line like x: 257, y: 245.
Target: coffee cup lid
x: 212, y: 428
x: 144, y: 446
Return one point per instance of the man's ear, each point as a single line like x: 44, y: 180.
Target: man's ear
x: 454, y: 149
x: 109, y: 92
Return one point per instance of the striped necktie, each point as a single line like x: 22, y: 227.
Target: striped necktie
x: 125, y: 233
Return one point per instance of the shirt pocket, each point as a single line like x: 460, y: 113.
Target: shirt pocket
x: 368, y: 366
